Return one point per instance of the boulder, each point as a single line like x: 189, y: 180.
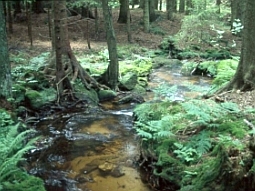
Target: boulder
x: 128, y: 81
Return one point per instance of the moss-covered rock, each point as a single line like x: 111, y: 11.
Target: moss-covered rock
x: 106, y: 95
x: 128, y: 81
x: 36, y: 99
x: 165, y: 62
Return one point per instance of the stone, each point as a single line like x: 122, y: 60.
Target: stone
x: 128, y: 81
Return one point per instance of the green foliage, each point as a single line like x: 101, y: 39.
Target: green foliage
x: 164, y: 45
x: 225, y: 71
x: 185, y: 154
x: 23, y: 181
x: 155, y: 129
x: 200, y: 142
x: 166, y: 92
x: 157, y: 30
x: 13, y: 146
x: 28, y: 76
x: 228, y: 142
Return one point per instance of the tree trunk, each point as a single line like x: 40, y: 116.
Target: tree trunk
x: 156, y: 4
x: 188, y: 7
x: 112, y: 73
x: 237, y: 11
x: 29, y: 23
x: 129, y: 34
x: 160, y: 5
x: 218, y: 3
x: 66, y: 64
x: 244, y: 77
x: 182, y: 6
x: 9, y: 16
x: 17, y: 8
x: 37, y: 6
x: 4, y: 8
x: 141, y: 4
x: 96, y: 24
x: 170, y: 9
x: 152, y: 12
x: 124, y: 6
x: 146, y: 16
x: 5, y: 72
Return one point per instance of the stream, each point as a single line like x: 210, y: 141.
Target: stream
x: 97, y: 149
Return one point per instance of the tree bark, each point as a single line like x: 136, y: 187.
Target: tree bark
x: 9, y: 16
x: 124, y: 6
x: 112, y: 73
x: 29, y: 23
x: 146, y: 16
x: 66, y: 63
x: 237, y: 11
x: 170, y: 9
x: 129, y: 34
x: 152, y: 12
x: 5, y: 72
x: 244, y: 77
x: 182, y: 6
x: 37, y: 6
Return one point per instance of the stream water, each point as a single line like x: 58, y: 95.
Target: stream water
x: 97, y: 149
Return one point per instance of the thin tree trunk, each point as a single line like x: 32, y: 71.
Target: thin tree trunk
x: 182, y: 6
x: 9, y: 16
x: 96, y: 24
x: 146, y: 16
x: 29, y: 23
x: 129, y: 34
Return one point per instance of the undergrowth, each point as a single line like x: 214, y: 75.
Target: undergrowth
x: 193, y: 140
x: 14, y: 144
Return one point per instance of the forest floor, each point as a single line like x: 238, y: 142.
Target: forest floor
x: 78, y: 34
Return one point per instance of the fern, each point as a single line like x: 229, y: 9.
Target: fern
x: 13, y: 146
x: 201, y: 143
x: 203, y: 111
x: 156, y: 129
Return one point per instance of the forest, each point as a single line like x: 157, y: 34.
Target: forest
x: 127, y: 95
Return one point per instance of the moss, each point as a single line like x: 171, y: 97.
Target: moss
x: 106, y: 94
x: 236, y: 128
x: 169, y: 168
x: 225, y: 71
x: 211, y: 170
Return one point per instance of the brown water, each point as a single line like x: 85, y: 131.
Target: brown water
x: 97, y: 149
x: 89, y: 150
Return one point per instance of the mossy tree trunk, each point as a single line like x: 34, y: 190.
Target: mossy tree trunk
x: 112, y: 74
x: 67, y: 67
x: 244, y: 77
x: 5, y: 72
